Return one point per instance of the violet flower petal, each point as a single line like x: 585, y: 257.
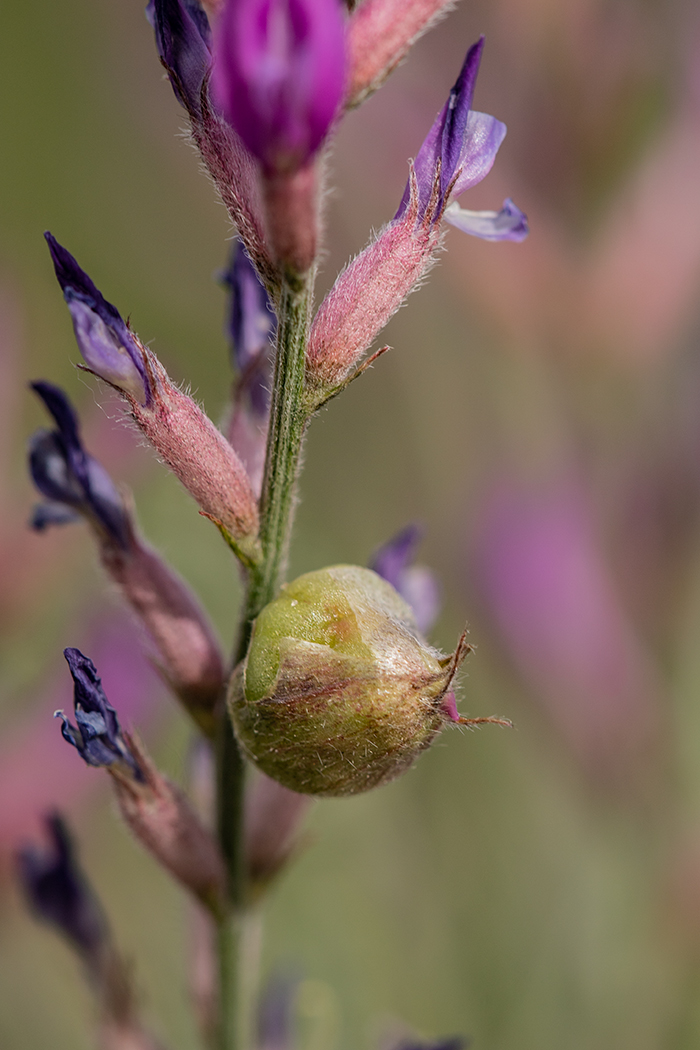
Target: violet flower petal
x: 64, y: 472
x: 278, y: 75
x: 415, y: 583
x: 420, y: 589
x: 251, y: 328
x: 276, y: 1027
x: 455, y: 116
x: 448, y: 137
x: 108, y: 347
x: 48, y: 465
x: 58, y: 892
x: 46, y: 514
x: 456, y: 1042
x: 392, y: 558
x: 482, y: 142
x: 183, y: 40
x: 462, y: 144
x: 508, y: 224
x: 97, y: 736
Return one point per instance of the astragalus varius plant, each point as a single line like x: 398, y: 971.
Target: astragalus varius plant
x: 332, y: 688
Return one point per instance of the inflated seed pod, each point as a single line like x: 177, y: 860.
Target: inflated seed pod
x: 338, y: 692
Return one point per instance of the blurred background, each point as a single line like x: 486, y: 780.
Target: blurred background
x: 539, y: 415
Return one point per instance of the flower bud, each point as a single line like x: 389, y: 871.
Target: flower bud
x: 380, y: 33
x: 183, y: 40
x: 250, y: 328
x: 278, y: 76
x: 108, y: 347
x: 185, y: 438
x: 338, y: 692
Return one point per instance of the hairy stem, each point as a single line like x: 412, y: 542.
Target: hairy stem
x: 236, y: 966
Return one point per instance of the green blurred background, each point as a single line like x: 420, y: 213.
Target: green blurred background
x: 535, y: 889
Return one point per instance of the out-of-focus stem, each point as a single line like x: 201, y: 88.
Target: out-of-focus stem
x: 238, y: 933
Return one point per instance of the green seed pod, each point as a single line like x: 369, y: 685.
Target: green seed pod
x: 339, y: 692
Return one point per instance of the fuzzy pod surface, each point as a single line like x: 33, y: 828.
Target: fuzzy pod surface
x: 338, y: 692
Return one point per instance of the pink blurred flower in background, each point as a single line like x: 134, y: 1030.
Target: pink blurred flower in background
x: 542, y: 576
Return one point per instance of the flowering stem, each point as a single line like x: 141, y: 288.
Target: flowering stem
x: 287, y: 424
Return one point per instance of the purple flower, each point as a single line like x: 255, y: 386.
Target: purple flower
x: 415, y: 583
x: 251, y: 328
x: 73, y: 482
x: 183, y: 40
x: 459, y: 152
x: 97, y: 735
x: 508, y: 224
x: 279, y: 75
x: 276, y: 1020
x: 108, y: 347
x: 456, y: 1042
x: 58, y: 892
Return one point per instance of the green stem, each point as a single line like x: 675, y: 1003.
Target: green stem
x: 288, y: 419
x: 236, y: 966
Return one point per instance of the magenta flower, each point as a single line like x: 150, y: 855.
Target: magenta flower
x: 279, y: 76
x: 458, y: 152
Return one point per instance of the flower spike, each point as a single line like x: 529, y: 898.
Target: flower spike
x: 97, y: 737
x: 108, y: 347
x: 69, y: 477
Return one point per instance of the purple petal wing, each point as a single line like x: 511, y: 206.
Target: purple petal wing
x: 183, y: 40
x: 415, y: 583
x: 64, y: 472
x: 98, y: 736
x: 508, y: 224
x: 394, y: 556
x: 46, y: 514
x: 483, y: 139
x: 58, y: 892
x: 455, y: 121
x: 103, y: 338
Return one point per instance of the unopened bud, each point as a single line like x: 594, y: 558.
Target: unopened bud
x: 365, y: 296
x: 183, y: 40
x: 380, y: 33
x: 339, y: 692
x: 196, y: 452
x: 278, y: 76
x: 201, y: 457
